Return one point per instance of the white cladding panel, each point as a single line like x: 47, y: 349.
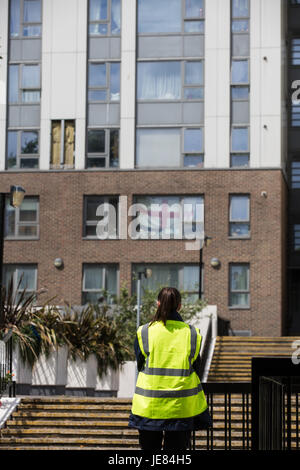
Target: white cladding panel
x: 266, y: 89
x: 3, y: 77
x: 217, y: 84
x: 64, y: 55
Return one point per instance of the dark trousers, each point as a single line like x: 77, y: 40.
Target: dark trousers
x: 173, y: 440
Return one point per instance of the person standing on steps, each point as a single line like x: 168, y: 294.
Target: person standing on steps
x: 168, y: 402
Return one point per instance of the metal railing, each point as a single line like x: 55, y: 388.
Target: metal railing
x: 275, y: 400
x: 6, y: 352
x: 229, y: 405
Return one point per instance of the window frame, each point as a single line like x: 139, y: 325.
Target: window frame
x: 183, y: 85
x: 22, y: 89
x: 104, y: 267
x: 233, y: 222
x: 295, y: 183
x: 136, y: 267
x: 17, y: 268
x: 184, y: 19
x: 181, y: 201
x: 106, y: 154
x: 107, y: 89
x: 19, y: 223
x: 20, y: 155
x: 62, y: 163
x: 22, y: 23
x: 181, y: 149
x: 107, y: 21
x: 239, y: 291
x: 234, y: 58
x: 90, y: 223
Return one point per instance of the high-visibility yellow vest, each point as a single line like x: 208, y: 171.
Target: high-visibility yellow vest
x: 168, y: 387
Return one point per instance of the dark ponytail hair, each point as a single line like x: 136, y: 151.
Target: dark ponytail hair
x: 170, y: 299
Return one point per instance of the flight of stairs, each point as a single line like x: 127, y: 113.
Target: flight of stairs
x: 80, y: 423
x: 75, y: 423
x: 67, y: 423
x: 232, y: 355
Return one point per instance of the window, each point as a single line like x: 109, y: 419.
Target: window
x: 98, y: 280
x: 22, y: 149
x: 295, y: 51
x: 25, y: 18
x: 103, y: 148
x: 193, y: 148
x: 240, y: 8
x: 108, y: 220
x: 163, y: 80
x: 170, y: 16
x: 240, y: 89
x: 22, y: 222
x: 295, y: 115
x: 24, y: 276
x: 297, y: 237
x: 158, y: 147
x: 169, y: 147
x: 184, y: 277
x: 239, y: 295
x: 104, y: 81
x: 104, y: 17
x: 295, y: 177
x: 240, y: 139
x: 239, y: 216
x: 24, y: 83
x: 63, y: 144
x: 170, y: 217
x: 240, y: 72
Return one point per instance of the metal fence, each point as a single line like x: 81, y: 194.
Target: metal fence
x: 229, y: 404
x: 275, y: 400
x: 6, y: 367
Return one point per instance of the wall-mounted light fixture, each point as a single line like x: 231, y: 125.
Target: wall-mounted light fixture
x: 58, y: 263
x: 215, y: 263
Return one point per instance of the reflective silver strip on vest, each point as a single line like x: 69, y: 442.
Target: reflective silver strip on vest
x: 193, y: 343
x: 168, y: 393
x: 164, y: 371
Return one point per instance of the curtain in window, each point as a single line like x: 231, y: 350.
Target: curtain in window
x: 93, y: 277
x: 69, y: 142
x: 159, y: 80
x: 56, y: 141
x: 239, y: 278
x: 162, y: 275
x: 190, y: 278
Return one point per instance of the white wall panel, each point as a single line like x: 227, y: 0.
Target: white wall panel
x: 128, y: 67
x: 265, y: 83
x: 64, y: 56
x: 217, y: 83
x: 3, y: 77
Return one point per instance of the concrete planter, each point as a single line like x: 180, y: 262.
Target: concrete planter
x: 108, y: 384
x: 81, y: 376
x: 49, y: 375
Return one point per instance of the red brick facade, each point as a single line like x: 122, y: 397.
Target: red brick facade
x: 61, y: 221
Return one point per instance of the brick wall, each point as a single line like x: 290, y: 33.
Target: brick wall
x: 61, y: 217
